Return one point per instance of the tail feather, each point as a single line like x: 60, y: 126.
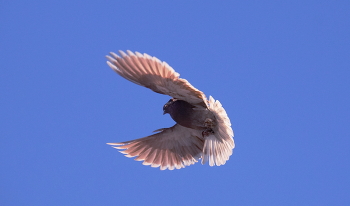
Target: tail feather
x: 218, y: 146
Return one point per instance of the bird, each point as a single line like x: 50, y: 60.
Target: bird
x: 202, y: 130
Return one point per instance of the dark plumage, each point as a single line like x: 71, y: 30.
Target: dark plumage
x: 182, y: 113
x: 203, y: 129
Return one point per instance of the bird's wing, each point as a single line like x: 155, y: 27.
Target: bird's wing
x: 150, y: 72
x: 174, y: 147
x: 218, y: 146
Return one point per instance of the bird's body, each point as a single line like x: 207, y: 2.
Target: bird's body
x: 203, y: 130
x: 187, y: 115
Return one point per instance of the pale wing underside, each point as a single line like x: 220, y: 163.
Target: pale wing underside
x: 174, y: 147
x: 158, y: 76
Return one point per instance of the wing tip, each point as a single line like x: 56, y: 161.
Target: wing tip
x: 117, y: 143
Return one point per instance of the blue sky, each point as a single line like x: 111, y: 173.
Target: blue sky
x: 281, y: 70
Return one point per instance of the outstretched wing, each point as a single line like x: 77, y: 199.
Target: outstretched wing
x: 174, y: 147
x: 150, y: 72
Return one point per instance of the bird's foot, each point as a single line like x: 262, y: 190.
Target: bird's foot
x: 207, y: 132
x: 209, y: 123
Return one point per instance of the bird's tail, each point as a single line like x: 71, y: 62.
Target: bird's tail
x: 219, y: 145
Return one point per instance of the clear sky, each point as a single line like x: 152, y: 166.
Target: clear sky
x: 281, y: 69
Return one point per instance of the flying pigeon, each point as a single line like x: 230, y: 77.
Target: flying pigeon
x: 202, y: 130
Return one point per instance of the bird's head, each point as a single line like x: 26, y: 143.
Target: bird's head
x: 166, y: 105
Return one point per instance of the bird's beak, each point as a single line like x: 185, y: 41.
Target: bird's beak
x: 164, y: 112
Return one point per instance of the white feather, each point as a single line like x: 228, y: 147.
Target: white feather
x: 218, y: 147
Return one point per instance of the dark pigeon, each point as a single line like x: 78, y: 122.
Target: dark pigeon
x: 202, y: 130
